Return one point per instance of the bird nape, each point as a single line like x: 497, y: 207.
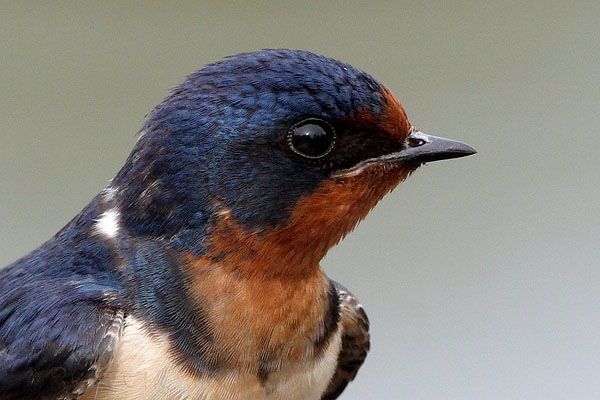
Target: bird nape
x: 195, y: 273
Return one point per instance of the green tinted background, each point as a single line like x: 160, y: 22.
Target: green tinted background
x: 480, y: 275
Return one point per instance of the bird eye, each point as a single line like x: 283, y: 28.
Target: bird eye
x: 312, y: 138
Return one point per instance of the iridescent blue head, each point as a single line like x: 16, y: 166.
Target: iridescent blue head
x: 257, y: 134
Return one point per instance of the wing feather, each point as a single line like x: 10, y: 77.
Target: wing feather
x: 54, y: 347
x: 355, y: 342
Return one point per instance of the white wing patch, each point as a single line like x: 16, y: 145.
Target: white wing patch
x: 108, y: 224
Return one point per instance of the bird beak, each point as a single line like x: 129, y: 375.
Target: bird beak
x: 418, y: 148
x: 421, y: 148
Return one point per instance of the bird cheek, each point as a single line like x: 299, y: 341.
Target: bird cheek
x: 333, y: 210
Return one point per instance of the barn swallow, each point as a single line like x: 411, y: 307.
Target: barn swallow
x: 195, y: 273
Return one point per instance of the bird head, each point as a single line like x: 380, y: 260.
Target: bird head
x: 268, y: 159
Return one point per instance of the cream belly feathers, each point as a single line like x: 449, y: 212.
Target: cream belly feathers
x: 143, y: 369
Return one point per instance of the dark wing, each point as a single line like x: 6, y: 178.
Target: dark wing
x: 355, y: 342
x: 56, y: 338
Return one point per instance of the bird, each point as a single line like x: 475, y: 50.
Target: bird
x: 195, y: 273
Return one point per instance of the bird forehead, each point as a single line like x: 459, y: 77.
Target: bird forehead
x: 389, y: 120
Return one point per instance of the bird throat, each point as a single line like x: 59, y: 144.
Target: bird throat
x: 316, y: 223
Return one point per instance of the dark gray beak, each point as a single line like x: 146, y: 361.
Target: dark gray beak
x: 421, y: 148
x: 418, y: 148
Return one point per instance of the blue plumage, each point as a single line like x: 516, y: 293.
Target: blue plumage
x: 218, y: 138
x: 221, y: 135
x: 212, y: 186
x: 51, y: 310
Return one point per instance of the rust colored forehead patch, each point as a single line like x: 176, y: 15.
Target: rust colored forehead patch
x: 393, y: 117
x: 391, y: 122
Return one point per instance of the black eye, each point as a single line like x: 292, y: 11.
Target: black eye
x: 312, y: 138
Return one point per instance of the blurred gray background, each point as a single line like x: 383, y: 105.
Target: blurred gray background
x: 481, y: 276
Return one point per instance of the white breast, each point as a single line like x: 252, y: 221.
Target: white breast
x: 143, y: 369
